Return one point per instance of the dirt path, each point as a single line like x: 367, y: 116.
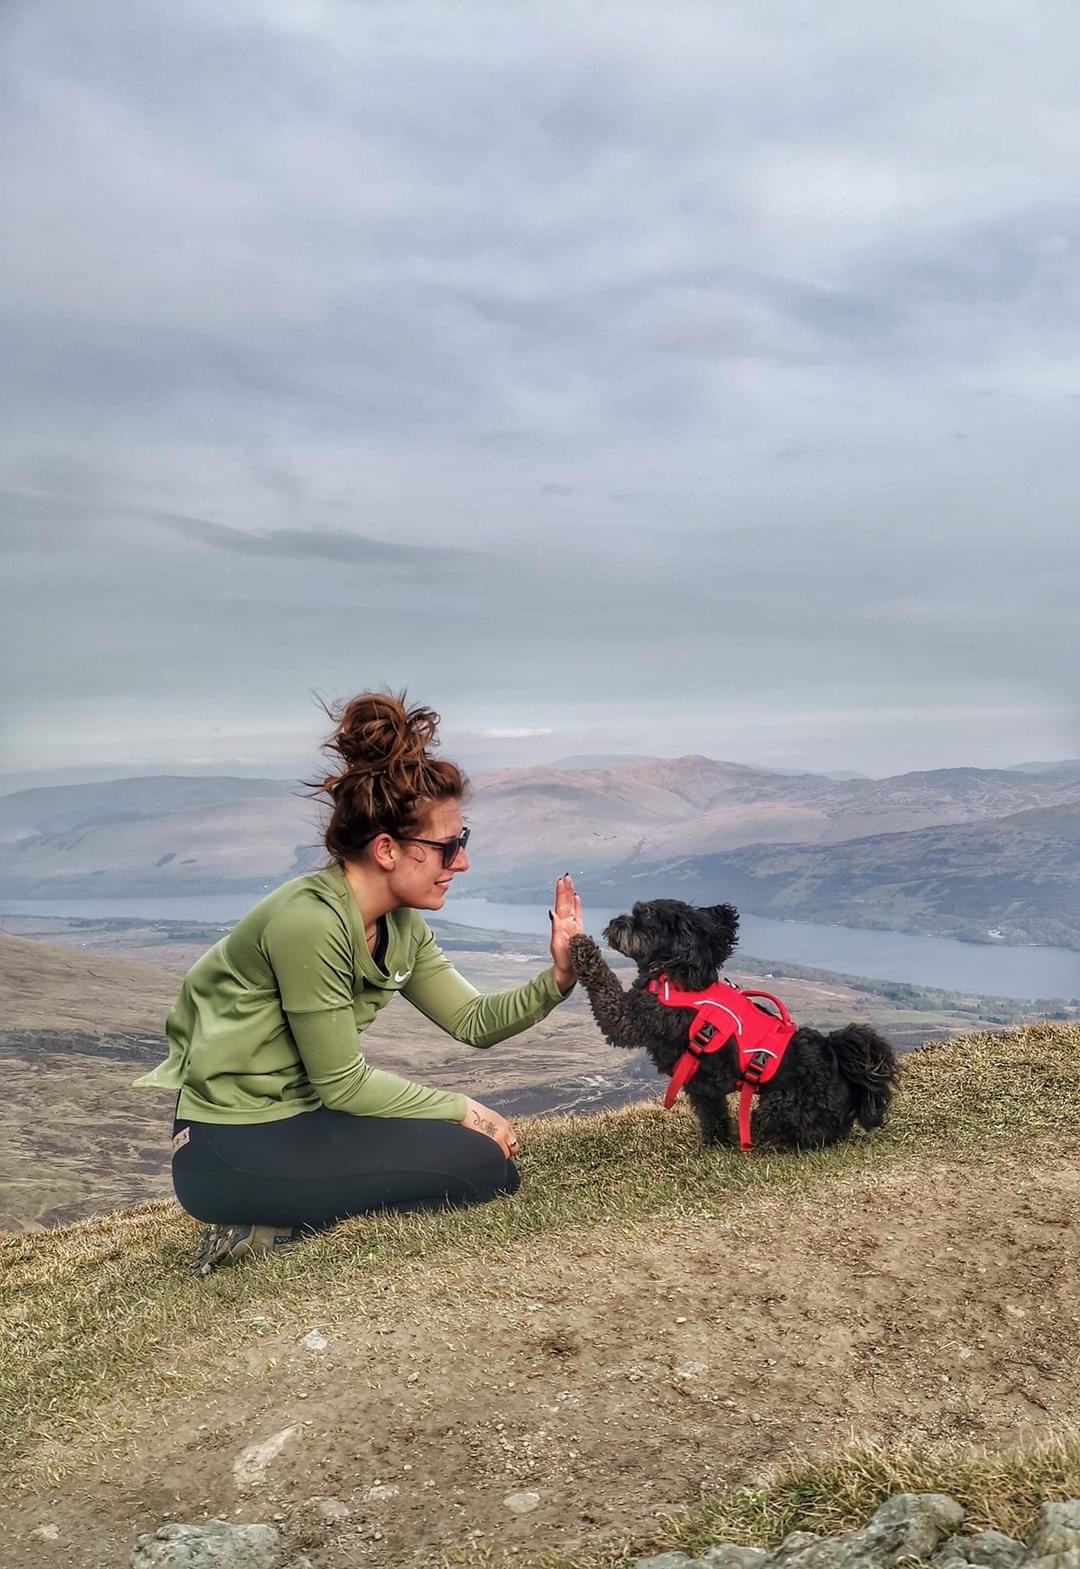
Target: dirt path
x: 617, y: 1374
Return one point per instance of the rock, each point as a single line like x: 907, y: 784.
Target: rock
x: 314, y: 1341
x: 726, y: 1556
x: 249, y: 1467
x: 208, y: 1544
x: 908, y: 1525
x: 48, y: 1533
x: 521, y: 1503
x: 381, y: 1492
x: 1056, y: 1543
x: 691, y: 1370
x: 908, y: 1529
x: 986, y: 1549
x: 796, y: 1540
x: 330, y: 1509
x: 729, y: 1557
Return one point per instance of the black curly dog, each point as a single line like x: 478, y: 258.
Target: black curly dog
x: 824, y: 1084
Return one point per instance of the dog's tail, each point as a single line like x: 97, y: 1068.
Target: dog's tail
x: 868, y: 1063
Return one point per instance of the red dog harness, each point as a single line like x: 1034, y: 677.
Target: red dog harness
x: 722, y: 1012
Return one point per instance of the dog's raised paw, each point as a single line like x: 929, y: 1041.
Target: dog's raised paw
x: 586, y: 956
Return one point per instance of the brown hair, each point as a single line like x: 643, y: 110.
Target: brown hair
x: 388, y: 779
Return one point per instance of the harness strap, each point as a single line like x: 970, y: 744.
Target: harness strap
x: 756, y: 1068
x: 685, y: 1069
x: 746, y: 1098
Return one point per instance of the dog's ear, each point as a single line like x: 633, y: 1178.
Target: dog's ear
x: 723, y: 920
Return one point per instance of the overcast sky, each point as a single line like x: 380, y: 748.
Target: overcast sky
x: 669, y: 377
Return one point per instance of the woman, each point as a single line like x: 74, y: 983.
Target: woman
x: 281, y: 1126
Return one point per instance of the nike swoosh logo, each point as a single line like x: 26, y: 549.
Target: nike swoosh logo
x: 402, y: 977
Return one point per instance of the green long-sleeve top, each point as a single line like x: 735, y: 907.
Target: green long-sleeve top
x: 267, y: 1022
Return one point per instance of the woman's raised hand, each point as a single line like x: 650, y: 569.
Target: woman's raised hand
x: 566, y: 923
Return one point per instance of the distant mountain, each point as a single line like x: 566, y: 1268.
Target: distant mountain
x: 1015, y: 879
x: 59, y: 807
x: 165, y: 835
x: 1069, y: 769
x: 532, y: 818
x: 59, y: 778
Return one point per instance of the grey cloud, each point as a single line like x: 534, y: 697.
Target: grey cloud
x: 621, y: 364
x: 318, y: 545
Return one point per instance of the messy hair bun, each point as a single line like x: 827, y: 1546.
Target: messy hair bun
x: 388, y: 779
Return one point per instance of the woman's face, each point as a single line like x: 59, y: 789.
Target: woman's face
x: 419, y: 879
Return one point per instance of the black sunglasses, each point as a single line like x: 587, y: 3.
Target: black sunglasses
x: 449, y: 847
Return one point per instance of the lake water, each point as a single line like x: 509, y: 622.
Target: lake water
x: 996, y: 971
x: 990, y: 970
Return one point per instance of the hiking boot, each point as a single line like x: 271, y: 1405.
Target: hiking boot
x: 220, y: 1245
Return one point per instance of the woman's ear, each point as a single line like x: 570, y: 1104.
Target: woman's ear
x: 384, y: 852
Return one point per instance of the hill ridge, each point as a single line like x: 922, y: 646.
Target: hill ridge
x: 140, y: 837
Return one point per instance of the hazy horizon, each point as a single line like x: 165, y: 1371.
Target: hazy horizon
x: 475, y: 764
x: 715, y: 380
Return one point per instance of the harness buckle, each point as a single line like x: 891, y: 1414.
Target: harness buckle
x: 704, y: 1033
x: 755, y: 1066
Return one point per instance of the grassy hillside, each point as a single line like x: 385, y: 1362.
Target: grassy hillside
x: 78, y: 1022
x: 43, y: 986
x: 666, y: 1344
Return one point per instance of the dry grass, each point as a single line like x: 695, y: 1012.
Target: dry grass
x: 998, y: 1491
x: 839, y: 1493
x: 106, y: 1303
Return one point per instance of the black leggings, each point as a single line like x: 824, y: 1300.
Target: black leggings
x: 320, y: 1166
